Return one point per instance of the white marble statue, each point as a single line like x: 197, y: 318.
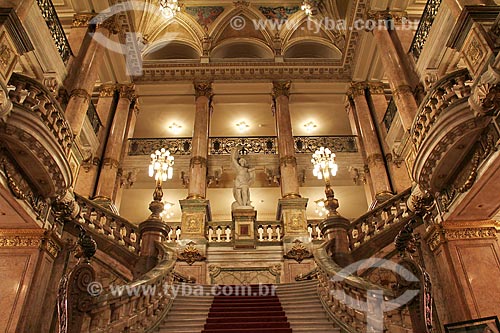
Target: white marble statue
x: 244, y: 178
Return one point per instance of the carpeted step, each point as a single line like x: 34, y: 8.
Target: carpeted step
x: 234, y: 325
x: 248, y: 314
x: 211, y: 320
x: 250, y: 330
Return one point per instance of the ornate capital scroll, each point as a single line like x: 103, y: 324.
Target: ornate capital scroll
x: 357, y: 89
x: 128, y: 91
x: 82, y: 93
x: 381, y: 16
x: 82, y: 20
x: 281, y: 88
x: 203, y: 88
x: 107, y: 90
x: 376, y: 88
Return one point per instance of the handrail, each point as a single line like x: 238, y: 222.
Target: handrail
x: 116, y: 228
x: 428, y: 16
x: 252, y: 145
x: 340, y: 295
x: 56, y: 30
x: 34, y: 96
x: 381, y: 217
x: 143, y: 303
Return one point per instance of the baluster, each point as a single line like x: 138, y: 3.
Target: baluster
x: 228, y: 233
x: 310, y: 231
x: 178, y: 232
x: 218, y: 232
x: 278, y: 233
x: 210, y: 234
x: 269, y: 231
x: 260, y: 231
x: 169, y: 236
x: 122, y: 232
x: 319, y: 236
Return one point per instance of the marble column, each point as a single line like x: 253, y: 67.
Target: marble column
x: 199, y: 152
x: 368, y: 133
x: 396, y: 68
x: 291, y: 207
x: 121, y: 181
x: 399, y: 174
x: 110, y: 163
x: 83, y: 74
x: 87, y: 176
x: 286, y: 146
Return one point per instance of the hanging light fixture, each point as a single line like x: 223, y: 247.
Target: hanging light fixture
x: 169, y: 8
x: 324, y: 164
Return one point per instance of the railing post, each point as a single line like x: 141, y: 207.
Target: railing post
x: 151, y: 231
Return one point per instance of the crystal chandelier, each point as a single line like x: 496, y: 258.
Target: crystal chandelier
x: 161, y: 166
x: 310, y: 7
x: 324, y: 164
x: 169, y: 8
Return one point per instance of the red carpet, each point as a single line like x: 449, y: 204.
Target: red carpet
x: 246, y: 314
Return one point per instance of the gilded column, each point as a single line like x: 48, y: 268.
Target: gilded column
x: 199, y: 152
x: 87, y: 176
x: 400, y: 176
x: 396, y: 67
x: 83, y: 75
x: 286, y: 147
x: 368, y: 132
x: 110, y: 163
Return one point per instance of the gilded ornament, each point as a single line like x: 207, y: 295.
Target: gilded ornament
x: 107, y: 90
x: 82, y: 20
x: 190, y: 254
x: 298, y: 252
x: 203, y: 88
x: 357, y: 89
x: 127, y: 91
x: 281, y: 88
x: 5, y: 56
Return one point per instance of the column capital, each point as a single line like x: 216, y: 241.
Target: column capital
x: 357, y: 89
x: 82, y: 20
x: 376, y: 88
x: 381, y: 16
x: 107, y: 90
x: 128, y: 91
x: 203, y: 88
x: 281, y: 88
x: 111, y: 24
x: 136, y: 107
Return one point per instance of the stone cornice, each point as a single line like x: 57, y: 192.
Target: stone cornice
x: 453, y: 231
x: 249, y: 71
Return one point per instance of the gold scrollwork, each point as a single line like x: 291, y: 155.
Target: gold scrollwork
x: 203, y: 89
x: 191, y: 254
x: 298, y: 252
x: 281, y: 88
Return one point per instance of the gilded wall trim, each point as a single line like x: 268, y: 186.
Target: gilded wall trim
x: 453, y: 231
x: 30, y: 238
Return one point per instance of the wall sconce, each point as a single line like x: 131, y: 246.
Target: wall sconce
x: 242, y: 126
x: 310, y: 126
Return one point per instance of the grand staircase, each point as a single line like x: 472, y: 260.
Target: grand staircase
x: 294, y: 307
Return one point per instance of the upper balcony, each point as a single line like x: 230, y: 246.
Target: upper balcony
x: 37, y: 135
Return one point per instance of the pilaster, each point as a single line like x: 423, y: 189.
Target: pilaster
x: 466, y: 258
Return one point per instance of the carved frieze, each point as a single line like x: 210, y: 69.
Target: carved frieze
x: 30, y: 238
x: 454, y: 231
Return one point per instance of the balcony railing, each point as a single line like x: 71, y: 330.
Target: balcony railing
x: 251, y: 145
x: 55, y: 28
x: 428, y: 16
x: 94, y: 118
x: 390, y: 114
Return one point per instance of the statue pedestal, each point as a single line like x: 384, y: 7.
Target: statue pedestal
x: 244, y: 227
